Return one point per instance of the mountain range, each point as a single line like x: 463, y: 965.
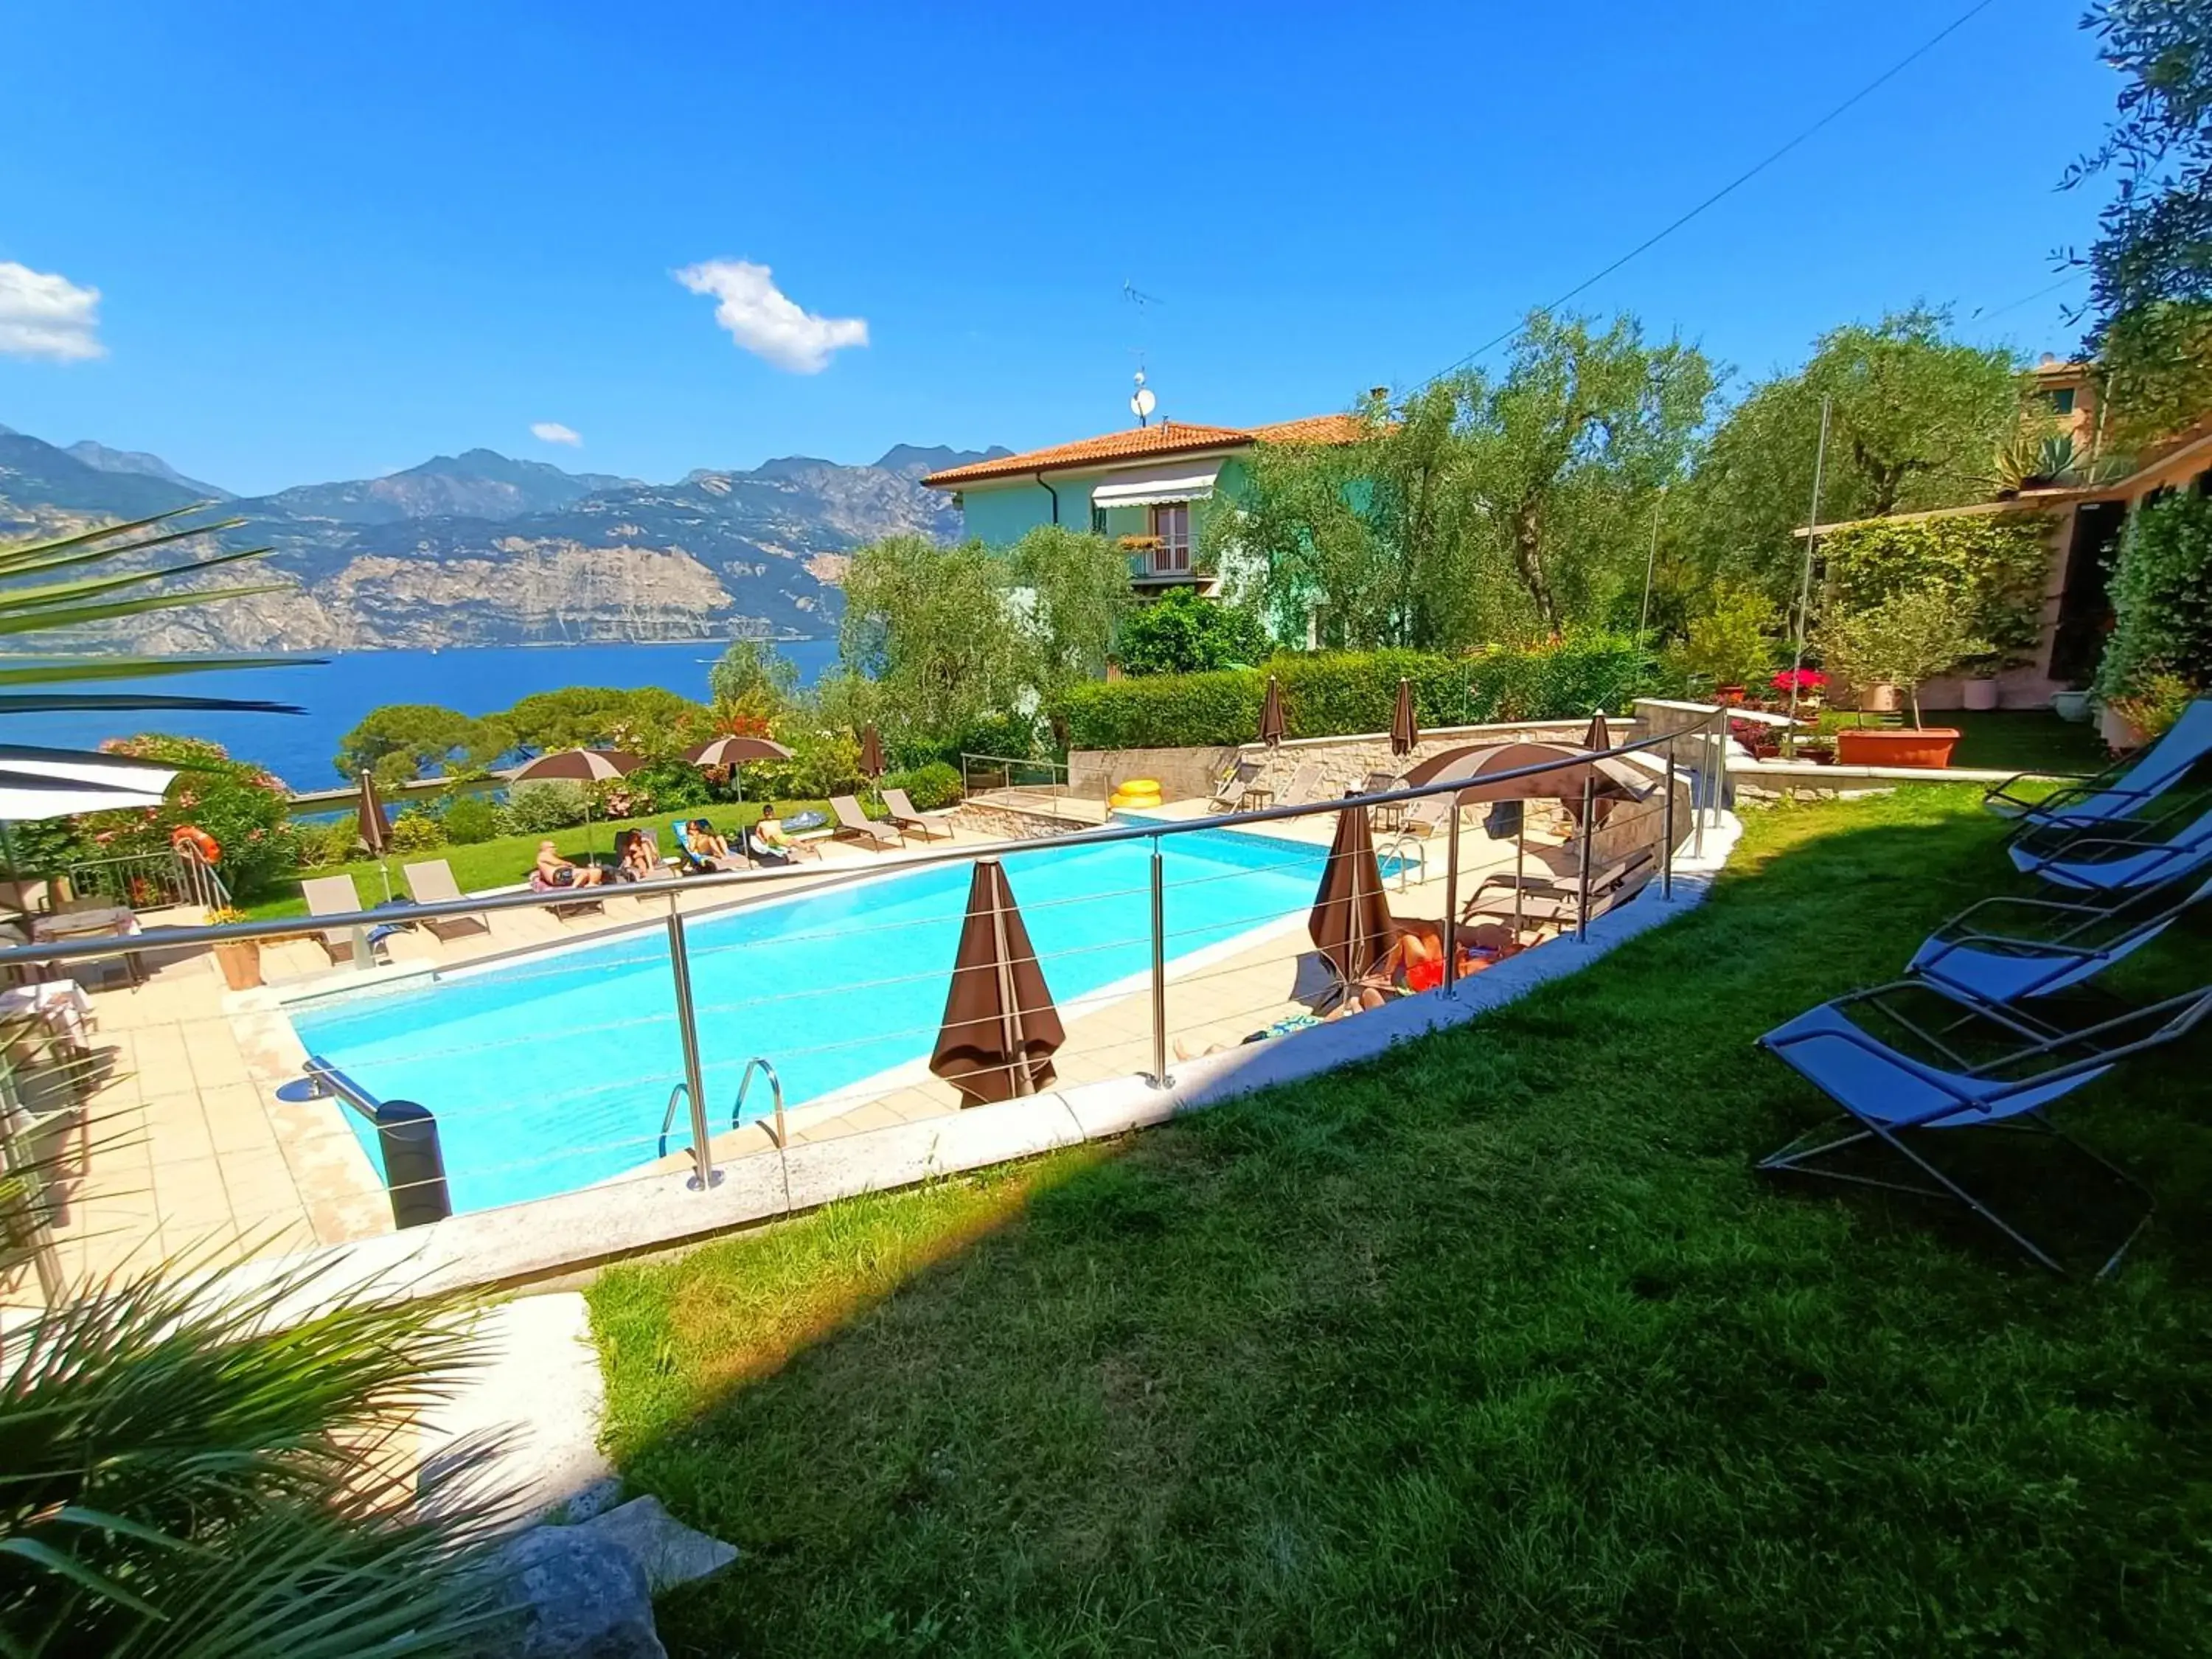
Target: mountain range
x: 483, y: 548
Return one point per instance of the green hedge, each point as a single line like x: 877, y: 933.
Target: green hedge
x: 1997, y: 563
x: 1326, y: 694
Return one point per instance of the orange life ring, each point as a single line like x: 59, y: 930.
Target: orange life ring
x: 199, y: 840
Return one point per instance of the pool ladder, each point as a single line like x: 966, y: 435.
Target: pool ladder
x: 757, y: 1063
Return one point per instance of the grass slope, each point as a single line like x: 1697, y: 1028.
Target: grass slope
x: 1498, y: 1344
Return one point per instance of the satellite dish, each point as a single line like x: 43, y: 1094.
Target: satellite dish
x: 1143, y: 404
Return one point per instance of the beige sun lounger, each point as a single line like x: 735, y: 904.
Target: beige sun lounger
x: 930, y: 826
x: 432, y: 882
x: 854, y: 824
x: 1305, y: 786
x: 1557, y: 899
x: 1236, y: 790
x: 335, y: 896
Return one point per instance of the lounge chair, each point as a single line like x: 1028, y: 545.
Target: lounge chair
x: 432, y: 882
x: 1897, y: 1090
x: 1557, y: 899
x: 2003, y: 950
x: 1237, y: 789
x: 930, y: 826
x: 854, y: 824
x: 1305, y: 785
x: 589, y: 903
x: 2120, y: 789
x: 335, y: 896
x: 689, y: 861
x: 2119, y: 854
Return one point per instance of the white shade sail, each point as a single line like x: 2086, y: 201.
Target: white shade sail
x: 1158, y: 486
x: 38, y: 783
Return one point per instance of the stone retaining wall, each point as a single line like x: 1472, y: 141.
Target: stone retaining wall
x: 999, y: 822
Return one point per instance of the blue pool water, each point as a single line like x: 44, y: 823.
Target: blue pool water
x: 549, y: 1074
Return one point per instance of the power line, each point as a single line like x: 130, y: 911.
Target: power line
x: 1979, y: 315
x: 1736, y: 183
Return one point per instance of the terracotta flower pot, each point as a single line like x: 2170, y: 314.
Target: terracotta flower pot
x: 241, y: 962
x: 1912, y: 745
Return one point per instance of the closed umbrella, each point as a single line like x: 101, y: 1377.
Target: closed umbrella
x: 871, y: 752
x: 375, y: 832
x: 1599, y: 736
x: 1000, y: 1028
x: 1405, y: 735
x: 1271, y: 714
x: 1351, y: 924
x: 733, y: 752
x: 585, y: 766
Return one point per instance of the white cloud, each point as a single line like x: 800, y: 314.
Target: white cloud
x: 763, y: 321
x: 552, y: 432
x: 46, y: 315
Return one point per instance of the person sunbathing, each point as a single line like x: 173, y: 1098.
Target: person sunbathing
x: 771, y: 840
x: 641, y: 857
x: 1416, y: 963
x: 554, y: 870
x: 707, y: 842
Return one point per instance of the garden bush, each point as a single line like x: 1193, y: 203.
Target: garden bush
x: 471, y: 819
x: 927, y: 786
x: 533, y: 808
x: 1329, y: 693
x: 416, y: 830
x: 244, y: 807
x: 1184, y: 634
x: 1997, y: 563
x: 2161, y: 593
x: 327, y: 842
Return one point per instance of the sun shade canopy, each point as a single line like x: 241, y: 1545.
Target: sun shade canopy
x: 1158, y: 486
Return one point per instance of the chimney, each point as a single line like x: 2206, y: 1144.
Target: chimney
x: 1377, y: 393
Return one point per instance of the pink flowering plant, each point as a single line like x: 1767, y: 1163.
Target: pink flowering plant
x: 244, y: 807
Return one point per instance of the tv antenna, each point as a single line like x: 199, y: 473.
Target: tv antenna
x: 1136, y: 297
x: 1141, y: 401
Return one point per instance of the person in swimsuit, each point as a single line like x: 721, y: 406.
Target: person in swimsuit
x: 554, y: 870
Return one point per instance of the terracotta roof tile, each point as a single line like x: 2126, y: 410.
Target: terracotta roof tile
x: 1168, y: 437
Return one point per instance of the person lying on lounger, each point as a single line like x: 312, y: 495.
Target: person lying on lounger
x: 771, y: 840
x: 1416, y: 963
x: 554, y: 870
x: 707, y: 842
x: 640, y: 857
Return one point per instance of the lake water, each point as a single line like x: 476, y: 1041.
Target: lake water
x: 345, y: 685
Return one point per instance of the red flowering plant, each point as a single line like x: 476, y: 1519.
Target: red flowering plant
x: 1810, y: 683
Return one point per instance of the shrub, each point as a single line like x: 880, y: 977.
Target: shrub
x: 1185, y: 634
x: 416, y: 830
x: 673, y: 785
x: 331, y: 841
x: 533, y: 808
x: 1912, y: 635
x: 1733, y: 642
x: 823, y: 764
x: 471, y: 819
x: 245, y: 808
x: 1329, y: 693
x: 1995, y: 564
x: 927, y: 786
x: 2162, y: 592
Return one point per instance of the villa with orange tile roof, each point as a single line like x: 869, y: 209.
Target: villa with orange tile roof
x: 1147, y: 487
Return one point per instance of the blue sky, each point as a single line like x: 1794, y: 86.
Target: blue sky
x: 330, y: 242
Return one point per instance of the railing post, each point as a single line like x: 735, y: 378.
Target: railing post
x: 1701, y: 788
x: 1667, y: 833
x: 1583, y: 864
x: 687, y: 1028
x: 1449, y: 989
x: 1160, y: 1077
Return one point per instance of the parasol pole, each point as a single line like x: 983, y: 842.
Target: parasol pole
x: 1017, y: 1053
x: 1804, y: 582
x: 1520, y: 857
x: 1650, y: 564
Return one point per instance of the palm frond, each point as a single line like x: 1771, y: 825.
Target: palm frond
x: 75, y: 615
x: 69, y: 592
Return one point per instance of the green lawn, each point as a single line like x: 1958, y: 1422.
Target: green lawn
x: 1497, y: 1345
x: 509, y: 860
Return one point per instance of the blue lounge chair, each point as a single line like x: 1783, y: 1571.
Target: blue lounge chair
x: 2122, y: 853
x: 2003, y: 950
x: 2121, y: 789
x: 1895, y: 1099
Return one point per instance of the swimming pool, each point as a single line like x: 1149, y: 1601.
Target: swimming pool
x: 550, y: 1073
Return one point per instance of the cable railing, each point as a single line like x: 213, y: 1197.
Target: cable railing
x: 1193, y: 959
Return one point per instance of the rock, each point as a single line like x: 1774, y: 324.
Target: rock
x: 595, y: 1499
x: 576, y: 1596
x: 669, y: 1552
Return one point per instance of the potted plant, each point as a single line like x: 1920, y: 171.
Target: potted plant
x: 1733, y: 642
x: 1912, y: 635
x: 1979, y: 694
x: 239, y: 958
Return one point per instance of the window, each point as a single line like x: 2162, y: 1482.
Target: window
x: 1097, y: 520
x: 1171, y: 529
x: 2062, y: 401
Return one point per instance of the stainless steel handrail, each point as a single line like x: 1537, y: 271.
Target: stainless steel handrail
x: 290, y: 926
x: 328, y: 1080
x: 668, y: 1120
x: 775, y: 1092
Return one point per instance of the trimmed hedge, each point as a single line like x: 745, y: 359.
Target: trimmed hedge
x: 1326, y: 694
x: 1996, y: 562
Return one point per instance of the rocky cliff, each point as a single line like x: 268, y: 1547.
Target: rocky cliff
x: 483, y: 550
